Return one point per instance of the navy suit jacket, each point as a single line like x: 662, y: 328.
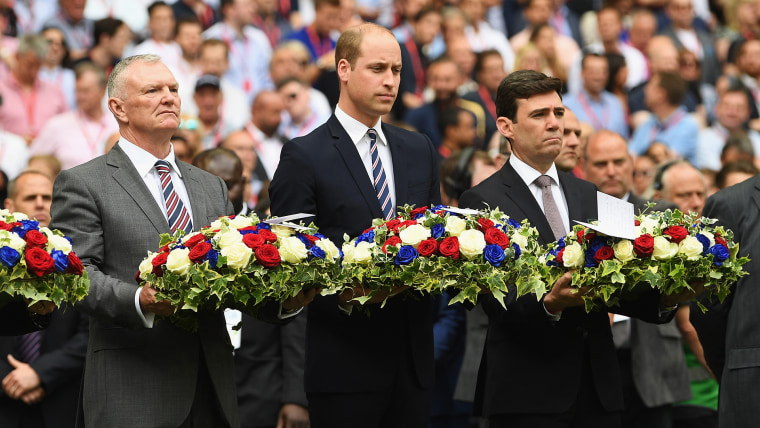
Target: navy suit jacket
x: 532, y: 364
x: 322, y: 173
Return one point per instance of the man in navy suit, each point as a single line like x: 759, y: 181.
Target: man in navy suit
x: 547, y: 363
x: 369, y: 370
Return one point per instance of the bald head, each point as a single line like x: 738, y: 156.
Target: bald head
x: 662, y: 54
x: 683, y: 185
x: 267, y: 110
x: 607, y: 163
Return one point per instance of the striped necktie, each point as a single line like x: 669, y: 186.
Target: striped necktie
x: 28, y: 347
x: 176, y: 212
x: 379, y: 178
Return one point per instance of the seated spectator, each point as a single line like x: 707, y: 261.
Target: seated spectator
x: 529, y: 57
x: 161, y: 41
x: 543, y: 37
x: 644, y: 169
x: 52, y: 70
x: 298, y: 118
x: 291, y: 59
x: 734, y: 173
x: 209, y: 99
x: 481, y: 35
x: 571, y: 151
x: 738, y: 147
x: 28, y: 102
x: 489, y: 72
x: 187, y: 34
x: 538, y: 12
x: 670, y: 122
x: 181, y: 148
x: 271, y: 22
x: 266, y: 115
x: 111, y: 38
x: 682, y: 184
x: 457, y: 127
x: 199, y: 9
x: 731, y: 117
x: 75, y: 26
x: 77, y: 136
x: 244, y: 147
x: 426, y: 25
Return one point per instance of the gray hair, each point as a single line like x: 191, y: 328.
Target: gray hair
x: 116, y: 79
x: 33, y: 43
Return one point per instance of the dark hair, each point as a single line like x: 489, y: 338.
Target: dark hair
x: 449, y: 117
x: 186, y: 20
x: 739, y: 142
x: 616, y: 62
x: 349, y: 43
x: 589, y: 54
x: 536, y: 31
x: 107, y: 26
x: 155, y: 5
x: 425, y: 11
x: 318, y: 4
x: 483, y: 56
x: 290, y: 79
x: 523, y: 84
x: 457, y: 169
x: 736, y: 166
x: 203, y: 158
x: 674, y: 85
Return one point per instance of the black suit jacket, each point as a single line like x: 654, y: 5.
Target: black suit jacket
x: 60, y: 365
x: 532, y: 364
x: 15, y: 317
x: 322, y: 173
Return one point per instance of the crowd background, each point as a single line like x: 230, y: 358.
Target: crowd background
x: 674, y: 85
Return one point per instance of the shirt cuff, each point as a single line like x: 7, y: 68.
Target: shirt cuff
x: 283, y: 314
x: 346, y: 310
x: 147, y: 318
x: 553, y: 317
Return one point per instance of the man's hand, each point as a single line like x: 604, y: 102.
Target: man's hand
x: 43, y: 307
x: 34, y: 396
x: 303, y: 298
x: 347, y: 297
x: 670, y: 300
x: 564, y: 295
x: 148, y: 303
x: 293, y: 416
x: 21, y: 380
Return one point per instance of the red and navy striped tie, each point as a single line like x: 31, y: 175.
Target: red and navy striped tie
x: 179, y: 218
x: 380, y: 179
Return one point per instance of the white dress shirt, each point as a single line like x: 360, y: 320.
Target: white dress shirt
x: 529, y: 175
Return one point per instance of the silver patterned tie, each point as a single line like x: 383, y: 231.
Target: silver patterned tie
x: 550, y: 207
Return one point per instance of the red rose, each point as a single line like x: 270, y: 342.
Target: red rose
x: 5, y: 226
x: 195, y: 240
x: 418, y: 211
x: 268, y: 255
x: 721, y: 240
x: 38, y: 261
x: 164, y: 249
x: 450, y: 247
x: 560, y: 257
x: 393, y: 240
x: 676, y: 233
x: 604, y: 253
x: 496, y: 236
x: 35, y: 238
x: 75, y: 265
x: 579, y: 234
x: 157, y: 262
x: 427, y: 247
x: 268, y: 235
x: 408, y: 223
x: 253, y: 241
x: 198, y: 252
x: 393, y: 225
x: 137, y: 276
x: 441, y: 213
x: 636, y: 223
x: 643, y: 246
x: 484, y: 224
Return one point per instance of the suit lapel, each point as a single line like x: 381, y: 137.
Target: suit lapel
x: 399, y: 156
x: 756, y: 195
x: 127, y: 177
x: 575, y: 201
x: 353, y: 162
x: 518, y: 191
x: 194, y: 192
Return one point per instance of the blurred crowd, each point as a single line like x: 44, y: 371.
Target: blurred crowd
x: 663, y: 100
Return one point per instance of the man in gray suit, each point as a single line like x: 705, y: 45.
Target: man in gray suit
x: 651, y: 357
x: 137, y: 373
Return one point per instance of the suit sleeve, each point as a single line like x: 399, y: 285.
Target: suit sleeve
x: 15, y: 319
x: 75, y: 212
x: 293, y: 188
x: 293, y: 342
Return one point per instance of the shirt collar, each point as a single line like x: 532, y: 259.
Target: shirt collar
x: 357, y: 130
x: 530, y: 174
x: 143, y: 161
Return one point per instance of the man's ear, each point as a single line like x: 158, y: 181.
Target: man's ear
x: 116, y: 105
x: 505, y: 127
x: 9, y: 205
x: 344, y: 68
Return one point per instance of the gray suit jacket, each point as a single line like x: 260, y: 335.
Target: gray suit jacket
x: 134, y: 376
x: 729, y: 331
x: 657, y: 359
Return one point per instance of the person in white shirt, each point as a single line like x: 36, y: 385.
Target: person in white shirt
x: 266, y: 115
x: 161, y: 42
x: 732, y: 114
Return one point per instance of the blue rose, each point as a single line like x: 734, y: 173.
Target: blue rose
x: 720, y: 254
x: 263, y: 225
x: 369, y: 237
x: 514, y: 223
x: 248, y: 231
x: 493, y: 254
x: 437, y: 230
x: 419, y: 215
x: 316, y: 252
x: 437, y: 208
x: 320, y: 236
x: 705, y: 243
x: 518, y: 251
x: 590, y: 262
x: 212, y: 257
x: 406, y: 254
x: 303, y: 239
x: 26, y: 226
x: 61, y: 260
x: 561, y: 243
x: 598, y: 242
x: 9, y: 257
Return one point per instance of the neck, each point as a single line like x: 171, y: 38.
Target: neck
x: 664, y: 112
x: 365, y: 119
x: 156, y: 143
x: 536, y: 164
x: 94, y: 113
x: 594, y: 95
x: 209, y: 122
x: 24, y: 82
x: 238, y: 27
x: 610, y: 46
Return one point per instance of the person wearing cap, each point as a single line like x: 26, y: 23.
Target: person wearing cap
x: 209, y: 99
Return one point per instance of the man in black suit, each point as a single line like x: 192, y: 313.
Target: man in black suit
x: 547, y: 363
x: 40, y: 388
x: 369, y: 370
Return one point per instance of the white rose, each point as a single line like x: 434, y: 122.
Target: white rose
x: 650, y: 224
x: 471, y: 243
x: 238, y: 255
x: 12, y: 240
x: 146, y: 266
x: 348, y: 253
x: 20, y: 216
x: 4, y: 213
x: 240, y: 222
x: 179, y: 261
x: 229, y: 238
x: 573, y: 257
x: 414, y: 234
x: 216, y: 224
x: 282, y: 232
x: 623, y: 250
x: 57, y: 242
x: 455, y: 225
x: 691, y: 248
x: 363, y: 252
x: 292, y: 250
x: 664, y: 249
x: 520, y: 240
x: 331, y: 251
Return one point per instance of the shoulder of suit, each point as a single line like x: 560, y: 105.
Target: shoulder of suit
x: 575, y: 181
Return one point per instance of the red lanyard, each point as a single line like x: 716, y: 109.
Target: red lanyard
x: 320, y: 46
x: 30, y: 102
x: 227, y: 37
x: 92, y: 143
x: 673, y: 121
x: 487, y: 100
x: 256, y: 143
x: 272, y: 32
x: 586, y: 106
x: 419, y: 70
